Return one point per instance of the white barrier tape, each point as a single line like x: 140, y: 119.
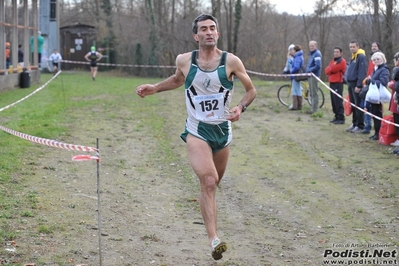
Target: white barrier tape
x: 49, y: 142
x: 278, y: 75
x: 26, y: 97
x: 121, y: 65
x: 163, y: 66
x: 353, y: 105
x: 313, y: 75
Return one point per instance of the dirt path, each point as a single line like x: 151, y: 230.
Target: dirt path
x: 295, y: 187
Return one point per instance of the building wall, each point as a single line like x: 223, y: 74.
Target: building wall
x: 76, y: 41
x: 12, y: 81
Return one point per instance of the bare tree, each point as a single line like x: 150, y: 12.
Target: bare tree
x: 155, y: 31
x: 388, y: 33
x: 228, y: 6
x: 376, y: 29
x: 216, y: 12
x: 238, y: 10
x: 318, y: 25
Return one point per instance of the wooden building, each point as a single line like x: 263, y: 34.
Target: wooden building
x: 76, y: 40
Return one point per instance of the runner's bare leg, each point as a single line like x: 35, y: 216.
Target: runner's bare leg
x: 203, y: 164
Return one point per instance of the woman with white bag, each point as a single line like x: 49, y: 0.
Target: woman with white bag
x: 380, y: 79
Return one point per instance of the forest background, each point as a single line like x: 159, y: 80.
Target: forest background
x: 154, y: 32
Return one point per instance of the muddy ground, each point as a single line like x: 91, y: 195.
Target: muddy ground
x: 296, y: 187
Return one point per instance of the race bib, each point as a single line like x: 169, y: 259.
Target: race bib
x: 209, y: 107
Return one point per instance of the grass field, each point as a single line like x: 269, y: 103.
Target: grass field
x: 46, y: 114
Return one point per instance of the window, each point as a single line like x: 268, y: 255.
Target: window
x: 53, y: 10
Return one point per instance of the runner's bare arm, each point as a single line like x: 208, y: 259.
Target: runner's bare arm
x: 236, y: 68
x: 172, y: 82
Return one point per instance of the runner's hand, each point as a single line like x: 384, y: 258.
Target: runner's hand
x: 146, y: 89
x: 235, y: 114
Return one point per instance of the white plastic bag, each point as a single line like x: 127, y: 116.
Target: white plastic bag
x: 385, y: 95
x: 373, y: 94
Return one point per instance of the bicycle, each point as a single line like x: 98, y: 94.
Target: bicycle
x: 285, y: 97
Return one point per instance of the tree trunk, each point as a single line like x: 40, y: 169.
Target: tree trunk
x: 388, y: 32
x: 238, y: 10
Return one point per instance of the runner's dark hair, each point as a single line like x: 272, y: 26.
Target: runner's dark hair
x: 203, y: 17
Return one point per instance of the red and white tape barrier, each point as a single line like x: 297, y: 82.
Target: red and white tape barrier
x: 325, y: 85
x: 49, y: 142
x: 119, y: 65
x: 278, y: 75
x: 163, y: 66
x: 353, y: 105
x: 80, y: 158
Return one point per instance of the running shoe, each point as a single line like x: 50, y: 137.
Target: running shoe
x: 218, y: 247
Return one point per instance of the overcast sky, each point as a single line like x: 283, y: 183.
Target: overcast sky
x: 294, y: 7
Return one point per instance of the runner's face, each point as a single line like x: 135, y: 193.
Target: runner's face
x: 207, y: 34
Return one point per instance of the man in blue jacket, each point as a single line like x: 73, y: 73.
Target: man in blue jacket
x: 314, y: 66
x: 355, y: 74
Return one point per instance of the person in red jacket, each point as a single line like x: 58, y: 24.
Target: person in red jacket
x: 335, y: 72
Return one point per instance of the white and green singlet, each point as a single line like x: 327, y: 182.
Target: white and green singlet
x: 208, y: 96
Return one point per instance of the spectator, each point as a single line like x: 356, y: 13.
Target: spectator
x: 297, y: 64
x: 288, y: 64
x: 336, y: 71
x: 40, y: 42
x: 380, y: 77
x: 56, y: 58
x: 20, y: 56
x: 375, y: 47
x: 290, y: 58
x: 314, y: 66
x: 8, y: 51
x: 355, y: 74
x: 393, y: 106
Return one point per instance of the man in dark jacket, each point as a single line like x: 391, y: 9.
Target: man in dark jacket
x: 20, y: 55
x: 356, y: 73
x: 314, y: 66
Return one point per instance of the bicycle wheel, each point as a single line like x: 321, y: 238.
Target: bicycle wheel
x: 320, y: 95
x: 284, y: 95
